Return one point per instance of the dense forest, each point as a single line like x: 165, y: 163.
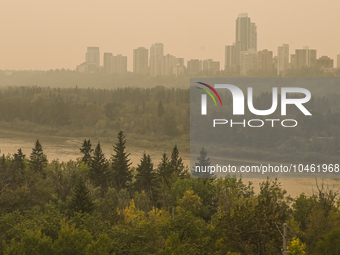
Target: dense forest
x: 99, y: 205
x: 158, y: 117
x: 70, y: 78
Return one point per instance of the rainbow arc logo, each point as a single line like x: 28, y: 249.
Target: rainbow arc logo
x: 204, y: 97
x: 208, y: 92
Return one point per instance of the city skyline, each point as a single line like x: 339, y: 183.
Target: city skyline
x: 43, y: 36
x: 240, y: 58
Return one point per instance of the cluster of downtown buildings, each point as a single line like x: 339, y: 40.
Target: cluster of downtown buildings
x: 240, y: 58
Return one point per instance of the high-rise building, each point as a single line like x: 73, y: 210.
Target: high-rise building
x: 275, y: 63
x: 93, y: 56
x: 167, y: 64
x: 119, y: 64
x: 282, y: 58
x: 156, y: 59
x: 157, y: 49
x: 107, y: 62
x: 140, y: 60
x: 305, y: 58
x: 229, y: 63
x: 211, y: 65
x: 248, y: 61
x: 179, y: 68
x: 265, y: 60
x: 180, y: 61
x: 246, y: 36
x: 324, y: 62
x: 292, y: 61
x: 338, y: 61
x: 194, y: 66
x: 92, y: 59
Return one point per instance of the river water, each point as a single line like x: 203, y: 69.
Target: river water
x: 65, y: 149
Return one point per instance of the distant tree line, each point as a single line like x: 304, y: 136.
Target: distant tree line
x: 69, y: 78
x: 163, y: 114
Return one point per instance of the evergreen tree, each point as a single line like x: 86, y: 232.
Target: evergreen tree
x: 38, y: 159
x: 203, y: 163
x: 86, y: 150
x: 120, y: 164
x: 160, y: 109
x: 164, y: 169
x: 176, y: 163
x: 145, y: 177
x: 99, y: 169
x: 81, y: 200
x: 164, y: 179
x: 19, y: 159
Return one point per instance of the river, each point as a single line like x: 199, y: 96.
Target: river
x: 66, y: 148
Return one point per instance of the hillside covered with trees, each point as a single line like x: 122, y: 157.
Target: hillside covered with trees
x: 158, y: 117
x: 100, y: 205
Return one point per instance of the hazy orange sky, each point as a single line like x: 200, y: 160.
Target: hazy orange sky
x: 41, y: 34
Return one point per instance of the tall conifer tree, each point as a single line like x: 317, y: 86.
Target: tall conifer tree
x: 38, y: 159
x: 81, y: 200
x: 122, y: 176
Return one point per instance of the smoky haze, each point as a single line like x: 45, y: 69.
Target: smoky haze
x: 44, y: 35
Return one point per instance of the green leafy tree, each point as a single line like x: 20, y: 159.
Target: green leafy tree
x: 31, y: 243
x: 122, y: 176
x: 81, y: 200
x: 38, y: 159
x: 250, y: 225
x: 188, y: 233
x: 71, y: 241
x: 330, y: 243
x: 302, y: 208
x: 206, y: 193
x: 87, y: 151
x: 102, y: 246
x: 296, y: 247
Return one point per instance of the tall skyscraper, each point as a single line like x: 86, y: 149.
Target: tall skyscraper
x: 156, y: 59
x: 246, y: 36
x: 248, y: 61
x: 282, y: 58
x: 167, y: 64
x: 338, y: 61
x: 107, y: 62
x: 229, y: 63
x: 305, y: 58
x: 93, y: 56
x: 211, y: 65
x: 157, y: 49
x: 194, y: 66
x: 265, y: 60
x: 140, y: 60
x: 119, y: 64
x: 92, y: 59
